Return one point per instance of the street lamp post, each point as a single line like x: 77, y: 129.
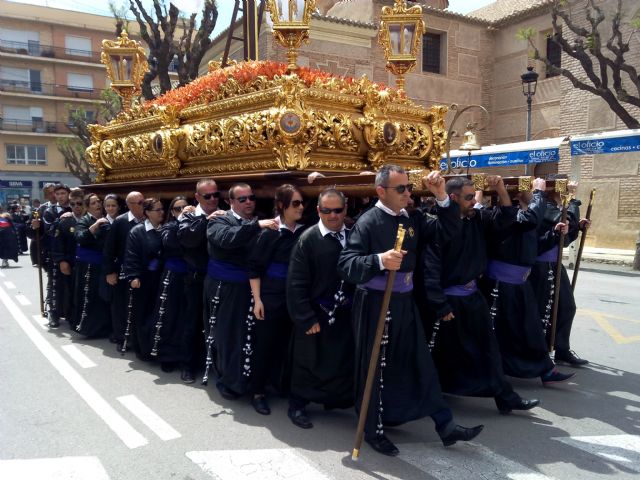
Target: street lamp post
x: 291, y: 21
x: 529, y: 85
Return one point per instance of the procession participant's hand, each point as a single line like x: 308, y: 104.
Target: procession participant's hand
x: 217, y: 213
x: 562, y: 228
x: 65, y: 268
x: 572, y: 187
x: 585, y: 223
x: 66, y: 215
x: 258, y: 309
x: 448, y: 317
x: 272, y: 224
x: 313, y: 175
x: 540, y: 184
x: 112, y: 279
x: 96, y: 225
x: 189, y: 209
x: 35, y: 224
x: 435, y: 184
x: 135, y: 283
x: 315, y: 328
x: 392, y: 259
x: 479, y: 196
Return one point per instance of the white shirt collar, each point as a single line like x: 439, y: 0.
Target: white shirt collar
x: 236, y: 215
x: 130, y: 217
x: 199, y: 211
x: 78, y: 218
x: 386, y: 209
x: 110, y: 219
x: 148, y: 225
x: 283, y: 226
x: 324, y: 231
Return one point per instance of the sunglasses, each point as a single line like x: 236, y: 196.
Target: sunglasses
x: 244, y: 198
x: 468, y: 197
x: 402, y: 188
x: 178, y: 208
x: 208, y: 196
x: 296, y: 203
x: 76, y: 204
x: 327, y: 211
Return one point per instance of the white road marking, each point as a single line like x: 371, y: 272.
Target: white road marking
x: 621, y: 449
x: 267, y: 464
x: 79, y: 357
x: 76, y: 468
x: 626, y: 395
x: 41, y: 321
x: 22, y: 300
x: 150, y: 418
x: 2, y: 274
x: 99, y: 405
x: 466, y: 460
x: 9, y: 285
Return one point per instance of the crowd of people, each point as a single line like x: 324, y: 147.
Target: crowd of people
x: 290, y: 303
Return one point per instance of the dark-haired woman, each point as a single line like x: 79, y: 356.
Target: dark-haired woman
x: 268, y: 265
x: 168, y: 326
x: 142, y: 271
x: 8, y: 240
x: 90, y: 316
x: 111, y: 206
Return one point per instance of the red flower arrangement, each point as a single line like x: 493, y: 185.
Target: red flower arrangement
x: 204, y: 88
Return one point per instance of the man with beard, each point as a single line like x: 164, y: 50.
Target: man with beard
x: 228, y: 303
x: 406, y: 384
x: 318, y: 302
x: 192, y: 234
x: 465, y: 350
x: 115, y: 246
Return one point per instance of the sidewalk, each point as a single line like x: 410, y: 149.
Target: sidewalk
x: 605, y: 260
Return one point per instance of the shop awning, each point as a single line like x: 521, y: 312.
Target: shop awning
x: 619, y: 141
x: 507, y: 154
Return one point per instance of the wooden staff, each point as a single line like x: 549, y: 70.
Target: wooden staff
x: 583, y: 238
x: 556, y: 288
x: 36, y: 216
x: 375, y: 351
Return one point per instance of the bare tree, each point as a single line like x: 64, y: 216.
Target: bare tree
x: 609, y: 74
x: 185, y: 45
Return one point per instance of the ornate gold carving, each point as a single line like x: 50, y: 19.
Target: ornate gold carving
x: 525, y: 184
x: 480, y: 181
x: 126, y: 64
x: 416, y: 177
x: 561, y: 185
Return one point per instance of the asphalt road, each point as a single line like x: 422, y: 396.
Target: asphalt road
x: 76, y: 409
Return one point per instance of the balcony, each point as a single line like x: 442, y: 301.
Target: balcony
x: 34, y: 126
x: 35, y: 49
x: 53, y: 89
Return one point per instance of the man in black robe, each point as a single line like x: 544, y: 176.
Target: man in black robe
x: 115, y: 247
x: 406, y: 382
x: 34, y: 230
x: 542, y: 277
x: 192, y: 234
x: 519, y: 330
x: 465, y: 349
x: 318, y: 302
x: 228, y: 304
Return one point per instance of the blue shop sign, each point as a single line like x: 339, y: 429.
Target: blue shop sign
x: 596, y: 145
x: 16, y: 183
x: 503, y: 159
x: 42, y: 183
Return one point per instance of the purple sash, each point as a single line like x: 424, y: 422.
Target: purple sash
x: 277, y: 270
x: 154, y: 265
x: 86, y: 255
x: 227, y: 272
x: 462, y: 290
x: 176, y: 265
x: 403, y: 282
x: 548, y: 256
x: 507, y: 272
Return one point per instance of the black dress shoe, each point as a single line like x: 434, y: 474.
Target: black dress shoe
x: 522, y: 404
x: 555, y: 376
x: 569, y: 357
x: 187, y: 376
x: 260, y: 405
x: 380, y: 443
x: 54, y: 322
x: 167, y: 367
x: 226, y: 392
x: 460, y: 433
x: 299, y: 418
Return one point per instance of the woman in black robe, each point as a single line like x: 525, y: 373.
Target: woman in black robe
x: 8, y: 240
x: 169, y: 323
x: 20, y: 223
x: 91, y: 315
x: 142, y: 269
x: 268, y: 265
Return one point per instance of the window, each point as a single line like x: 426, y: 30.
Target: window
x: 16, y: 77
x: 23, y: 41
x: 78, y: 46
x: 26, y: 154
x: 79, y: 82
x: 554, y: 55
x: 34, y: 81
x: 431, y: 52
x: 89, y: 116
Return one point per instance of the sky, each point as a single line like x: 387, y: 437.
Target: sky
x: 225, y: 7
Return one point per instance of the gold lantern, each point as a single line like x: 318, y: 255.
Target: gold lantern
x: 291, y: 25
x: 126, y: 63
x: 400, y: 36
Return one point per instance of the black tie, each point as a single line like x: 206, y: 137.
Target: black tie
x: 338, y: 236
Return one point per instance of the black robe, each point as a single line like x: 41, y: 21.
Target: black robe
x: 231, y: 322
x: 142, y: 260
x: 411, y: 388
x: 20, y: 224
x: 38, y: 237
x: 63, y: 249
x: 543, y: 273
x: 517, y: 321
x: 8, y: 240
x: 269, y: 261
x: 57, y: 284
x: 115, y: 247
x: 91, y: 316
x: 466, y: 351
x: 321, y: 364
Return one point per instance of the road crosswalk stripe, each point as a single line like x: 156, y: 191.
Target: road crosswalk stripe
x: 41, y: 321
x: 150, y: 418
x: 79, y: 357
x: 621, y: 449
x: 9, y: 285
x: 265, y: 464
x: 76, y: 468
x: 22, y: 300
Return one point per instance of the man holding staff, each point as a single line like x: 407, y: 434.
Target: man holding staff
x: 406, y: 384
